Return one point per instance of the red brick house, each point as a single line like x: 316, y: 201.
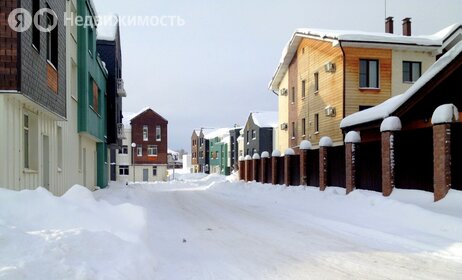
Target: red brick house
x: 144, y: 155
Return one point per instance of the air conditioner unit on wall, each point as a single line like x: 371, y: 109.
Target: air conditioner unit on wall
x: 284, y: 92
x: 330, y: 67
x: 330, y: 111
x: 284, y: 126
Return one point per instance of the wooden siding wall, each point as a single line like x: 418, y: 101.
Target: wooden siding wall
x: 312, y: 57
x: 368, y: 97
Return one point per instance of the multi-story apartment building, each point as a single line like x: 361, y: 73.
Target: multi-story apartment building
x: 33, y: 99
x: 143, y: 156
x: 260, y: 132
x: 219, y: 143
x: 204, y: 158
x: 92, y: 109
x: 110, y: 51
x: 234, y: 135
x: 326, y: 75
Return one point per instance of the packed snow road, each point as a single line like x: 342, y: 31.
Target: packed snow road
x: 210, y: 229
x: 215, y: 228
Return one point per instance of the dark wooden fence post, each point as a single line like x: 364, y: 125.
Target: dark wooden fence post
x: 288, y: 154
x: 442, y: 118
x: 324, y: 144
x: 274, y: 167
x: 264, y: 166
x: 255, y: 169
x: 305, y: 145
x: 241, y: 168
x: 388, y: 129
x: 352, y: 140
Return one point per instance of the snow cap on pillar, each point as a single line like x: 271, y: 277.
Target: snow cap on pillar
x: 446, y: 113
x: 391, y: 124
x: 276, y: 153
x: 241, y: 158
x: 326, y: 141
x: 289, y: 152
x: 247, y: 157
x: 305, y: 145
x: 353, y: 137
x: 265, y: 155
x: 256, y: 156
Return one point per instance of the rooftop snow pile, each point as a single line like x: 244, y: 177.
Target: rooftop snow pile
x: 107, y: 28
x: 128, y: 116
x: 265, y: 119
x: 446, y: 113
x: 220, y: 133
x: 388, y: 107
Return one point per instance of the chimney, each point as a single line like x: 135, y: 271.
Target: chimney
x: 389, y: 25
x: 407, y: 27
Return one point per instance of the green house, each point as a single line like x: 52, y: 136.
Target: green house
x: 219, y: 156
x: 92, y: 78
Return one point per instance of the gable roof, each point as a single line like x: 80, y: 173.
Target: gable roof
x: 430, y: 42
x: 265, y: 119
x: 129, y: 116
x: 391, y: 105
x: 220, y: 132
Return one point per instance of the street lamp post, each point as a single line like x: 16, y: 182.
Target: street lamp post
x: 133, y: 160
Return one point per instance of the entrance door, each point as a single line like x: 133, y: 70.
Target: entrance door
x: 46, y: 162
x: 145, y: 175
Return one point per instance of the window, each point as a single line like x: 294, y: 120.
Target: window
x: 411, y: 71
x: 202, y: 141
x: 35, y: 31
x: 123, y: 150
x: 152, y: 150
x: 368, y: 73
x: 201, y: 154
x: 154, y: 171
x: 139, y: 151
x: 60, y: 147
x: 93, y: 94
x: 91, y: 39
x: 145, y: 133
x: 26, y: 142
x: 316, y: 82
x: 248, y: 136
x: 303, y: 89
x: 254, y: 134
x: 74, y: 79
x: 158, y: 133
x: 248, y: 152
x: 293, y: 95
x: 316, y: 123
x: 303, y: 126
x: 52, y: 41
x: 123, y: 170
x: 293, y: 130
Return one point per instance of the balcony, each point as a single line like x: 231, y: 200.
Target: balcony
x: 120, y: 88
x: 120, y: 131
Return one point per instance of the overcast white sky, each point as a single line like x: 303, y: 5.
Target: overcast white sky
x: 215, y: 69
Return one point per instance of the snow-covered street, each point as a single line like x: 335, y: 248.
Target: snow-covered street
x: 215, y: 228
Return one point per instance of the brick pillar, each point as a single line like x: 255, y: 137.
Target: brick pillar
x: 255, y: 169
x: 388, y: 162
x: 274, y: 170
x: 287, y: 169
x: 241, y: 170
x: 263, y: 170
x: 323, y: 154
x: 248, y: 171
x: 441, y: 160
x: 350, y: 164
x: 303, y: 167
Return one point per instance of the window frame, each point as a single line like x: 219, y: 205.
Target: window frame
x: 145, y: 133
x: 411, y: 71
x: 303, y: 89
x: 367, y: 73
x: 316, y: 123
x: 154, y: 149
x: 293, y: 130
x: 139, y: 151
x: 124, y: 169
x: 154, y: 171
x: 158, y: 133
x: 26, y: 140
x: 304, y: 127
x: 316, y: 82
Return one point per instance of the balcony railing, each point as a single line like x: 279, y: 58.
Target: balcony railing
x: 120, y: 88
x: 120, y: 131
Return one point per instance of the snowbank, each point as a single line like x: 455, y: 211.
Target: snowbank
x: 70, y: 237
x: 446, y: 113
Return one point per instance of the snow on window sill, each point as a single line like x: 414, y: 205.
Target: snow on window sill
x: 29, y: 171
x: 369, y: 88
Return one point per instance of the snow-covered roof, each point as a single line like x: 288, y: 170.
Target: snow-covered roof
x: 220, y: 132
x: 107, y: 28
x: 265, y: 119
x: 388, y: 107
x: 430, y: 42
x: 128, y: 116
